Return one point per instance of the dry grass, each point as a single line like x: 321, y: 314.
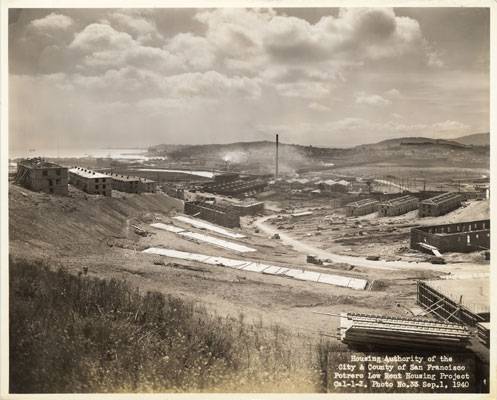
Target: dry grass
x: 81, y: 334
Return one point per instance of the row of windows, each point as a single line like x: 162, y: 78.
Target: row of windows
x: 57, y: 171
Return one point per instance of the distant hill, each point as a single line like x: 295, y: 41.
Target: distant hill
x: 478, y: 139
x: 259, y: 157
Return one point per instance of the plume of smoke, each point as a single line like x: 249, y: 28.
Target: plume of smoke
x: 262, y: 158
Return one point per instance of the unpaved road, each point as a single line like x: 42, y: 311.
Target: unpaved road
x: 360, y: 261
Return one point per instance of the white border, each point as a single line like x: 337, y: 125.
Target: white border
x: 5, y: 4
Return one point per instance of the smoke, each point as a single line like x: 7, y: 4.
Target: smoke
x: 235, y: 157
x: 261, y: 159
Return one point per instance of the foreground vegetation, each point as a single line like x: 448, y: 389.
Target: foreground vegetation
x: 83, y: 334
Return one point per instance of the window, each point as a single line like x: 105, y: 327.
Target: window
x: 57, y: 181
x: 96, y: 180
x: 96, y: 187
x: 45, y: 173
x: 57, y: 172
x: 51, y: 190
x: 50, y: 182
x: 103, y: 186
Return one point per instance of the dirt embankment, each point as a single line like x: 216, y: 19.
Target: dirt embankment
x: 44, y: 225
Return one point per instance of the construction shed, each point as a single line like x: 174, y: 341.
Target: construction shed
x: 440, y: 205
x: 132, y: 184
x: 464, y: 300
x: 41, y: 176
x: 361, y: 207
x: 91, y: 182
x: 223, y: 216
x: 398, y: 206
x: 462, y: 237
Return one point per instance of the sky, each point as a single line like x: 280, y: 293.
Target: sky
x: 87, y: 78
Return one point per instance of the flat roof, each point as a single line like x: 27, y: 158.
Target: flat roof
x: 87, y: 173
x: 129, y: 178
x: 475, y: 292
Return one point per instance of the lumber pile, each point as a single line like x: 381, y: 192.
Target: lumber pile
x: 405, y: 333
x: 483, y: 333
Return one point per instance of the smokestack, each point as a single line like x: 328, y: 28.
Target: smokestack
x: 277, y: 143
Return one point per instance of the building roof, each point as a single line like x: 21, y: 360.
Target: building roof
x: 38, y: 163
x: 87, y: 173
x: 399, y: 200
x: 361, y: 203
x: 441, y: 198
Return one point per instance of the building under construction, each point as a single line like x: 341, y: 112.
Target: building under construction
x: 91, y: 182
x: 243, y: 209
x: 462, y: 237
x: 397, y: 206
x: 440, y: 205
x: 132, y: 184
x: 209, y: 212
x: 361, y: 207
x: 464, y: 301
x: 41, y: 176
x: 236, y: 187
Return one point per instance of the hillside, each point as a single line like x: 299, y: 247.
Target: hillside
x: 478, y: 139
x: 77, y: 223
x: 259, y: 156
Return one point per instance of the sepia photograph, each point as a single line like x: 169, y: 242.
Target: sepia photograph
x: 224, y: 200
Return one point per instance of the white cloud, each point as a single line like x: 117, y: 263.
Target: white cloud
x: 449, y: 125
x: 53, y: 21
x: 371, y: 99
x: 99, y: 36
x: 307, y: 90
x: 393, y: 93
x: 319, y: 107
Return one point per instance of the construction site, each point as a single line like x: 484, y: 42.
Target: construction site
x: 389, y: 264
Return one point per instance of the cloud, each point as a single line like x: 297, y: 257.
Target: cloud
x: 52, y: 22
x: 371, y: 99
x: 144, y: 29
x: 449, y: 125
x: 393, y: 93
x: 100, y: 36
x: 307, y: 90
x: 319, y: 107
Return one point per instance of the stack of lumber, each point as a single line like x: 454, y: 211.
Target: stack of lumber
x: 483, y: 332
x: 405, y: 333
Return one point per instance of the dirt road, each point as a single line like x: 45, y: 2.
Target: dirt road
x: 360, y: 261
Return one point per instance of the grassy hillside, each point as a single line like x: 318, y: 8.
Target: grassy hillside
x: 80, y: 334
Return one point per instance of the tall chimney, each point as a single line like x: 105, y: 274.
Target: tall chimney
x: 277, y: 143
